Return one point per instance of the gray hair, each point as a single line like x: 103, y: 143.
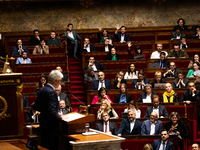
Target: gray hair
x: 55, y: 75
x: 132, y: 110
x: 198, y: 75
x: 148, y: 85
x: 159, y: 44
x: 90, y: 69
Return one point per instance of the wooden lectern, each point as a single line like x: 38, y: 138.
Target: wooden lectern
x: 11, y: 106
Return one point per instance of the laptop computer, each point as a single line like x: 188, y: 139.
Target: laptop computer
x: 154, y: 65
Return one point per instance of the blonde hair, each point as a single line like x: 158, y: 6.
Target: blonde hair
x: 158, y: 73
x: 121, y: 73
x: 107, y: 109
x: 147, y: 146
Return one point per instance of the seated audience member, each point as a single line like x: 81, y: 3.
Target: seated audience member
x: 197, y: 77
x: 97, y: 84
x: 25, y: 101
x: 156, y: 54
x: 146, y: 97
x: 112, y: 55
x: 138, y: 54
x: 158, y: 78
x: 42, y: 82
x: 35, y: 40
x: 191, y: 95
x: 177, y: 52
x: 160, y: 109
x: 163, y: 143
x: 175, y: 126
x: 132, y: 72
x: 123, y: 97
x: 181, y: 25
x: 65, y: 77
x: 72, y: 38
x: 121, y: 37
x: 106, y: 107
x: 24, y: 59
x: 169, y: 96
x: 183, y: 43
x: 17, y: 50
x: 172, y: 72
x: 102, y: 95
x: 195, y: 146
x: 133, y: 105
x: 164, y: 64
x: 42, y: 48
x: 53, y: 40
x: 87, y: 47
x: 62, y: 108
x: 140, y: 82
x: 177, y: 35
x: 107, y: 46
x: 195, y: 59
x: 196, y: 35
x: 119, y: 80
x: 196, y: 67
x: 194, y: 27
x: 32, y: 115
x: 102, y: 35
x: 91, y: 75
x: 152, y: 126
x: 147, y: 147
x: 130, y: 125
x: 95, y: 65
x: 62, y: 96
x: 106, y: 126
x: 181, y: 82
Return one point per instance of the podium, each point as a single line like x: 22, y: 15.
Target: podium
x: 11, y: 106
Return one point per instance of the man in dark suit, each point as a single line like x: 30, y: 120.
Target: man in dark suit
x: 47, y: 104
x: 130, y: 125
x: 107, y: 46
x: 160, y: 109
x: 91, y: 75
x: 25, y: 101
x: 106, y: 126
x: 35, y: 40
x: 96, y: 85
x: 164, y: 64
x: 72, y: 38
x: 65, y: 77
x: 53, y: 40
x: 87, y: 47
x: 191, y: 95
x: 197, y: 34
x: 140, y: 82
x: 95, y: 65
x: 163, y: 142
x: 62, y: 96
x: 177, y: 35
x: 181, y: 82
x: 32, y: 115
x: 146, y: 97
x: 172, y: 72
x: 62, y: 108
x: 152, y: 126
x: 121, y: 37
x: 17, y: 50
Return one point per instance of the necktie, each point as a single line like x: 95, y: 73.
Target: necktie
x: 163, y: 145
x: 101, y: 84
x: 24, y: 61
x: 106, y: 127
x: 161, y: 65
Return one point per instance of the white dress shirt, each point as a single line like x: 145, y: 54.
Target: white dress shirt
x: 161, y: 145
x: 88, y: 48
x: 104, y: 126
x: 180, y: 84
x: 106, y: 49
x: 122, y: 37
x: 131, y: 76
x: 58, y: 98
x: 153, y: 126
x: 70, y: 35
x: 101, y: 84
x: 132, y: 124
x: 156, y: 110
x: 94, y: 67
x: 156, y: 55
x: 147, y: 100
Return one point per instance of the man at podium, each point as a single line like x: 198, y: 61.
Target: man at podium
x: 47, y: 104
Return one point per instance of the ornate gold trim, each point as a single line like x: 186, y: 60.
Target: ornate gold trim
x: 3, y: 114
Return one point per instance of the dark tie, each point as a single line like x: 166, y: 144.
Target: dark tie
x: 163, y: 145
x: 106, y: 127
x: 161, y: 65
x: 101, y: 84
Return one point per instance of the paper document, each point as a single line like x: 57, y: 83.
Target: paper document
x: 73, y: 116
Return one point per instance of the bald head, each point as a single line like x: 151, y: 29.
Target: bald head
x: 195, y: 146
x: 172, y: 65
x: 101, y: 76
x: 153, y: 117
x: 168, y: 87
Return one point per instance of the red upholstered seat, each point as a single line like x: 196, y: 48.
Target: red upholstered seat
x: 164, y: 37
x: 31, y: 99
x: 28, y: 89
x: 30, y: 79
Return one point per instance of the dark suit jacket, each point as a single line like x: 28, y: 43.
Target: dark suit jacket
x: 124, y: 128
x: 185, y: 81
x: 92, y: 49
x: 116, y: 81
x: 162, y: 111
x: 188, y: 96
x: 174, y: 35
x: 63, y: 96
x: 194, y: 36
x: 65, y: 111
x: 65, y: 77
x: 103, y: 48
x: 87, y: 77
x: 58, y: 42
x: 109, y: 56
x: 170, y: 74
x: 118, y: 36
x: 156, y: 145
x: 175, y: 98
x: 161, y: 81
x: 95, y: 85
x: 98, y: 65
x: 146, y: 127
x: 112, y: 127
x: 165, y: 63
x: 143, y: 95
x: 29, y: 115
x: 128, y: 98
x: 25, y: 101
x: 15, y: 50
x: 136, y: 80
x: 34, y: 41
x: 185, y: 28
x: 71, y: 40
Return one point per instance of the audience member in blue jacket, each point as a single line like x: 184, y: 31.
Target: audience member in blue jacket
x: 17, y: 50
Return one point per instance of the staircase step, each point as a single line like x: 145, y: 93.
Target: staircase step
x: 78, y: 92
x: 76, y: 78
x: 75, y: 68
x: 74, y: 82
x: 77, y: 88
